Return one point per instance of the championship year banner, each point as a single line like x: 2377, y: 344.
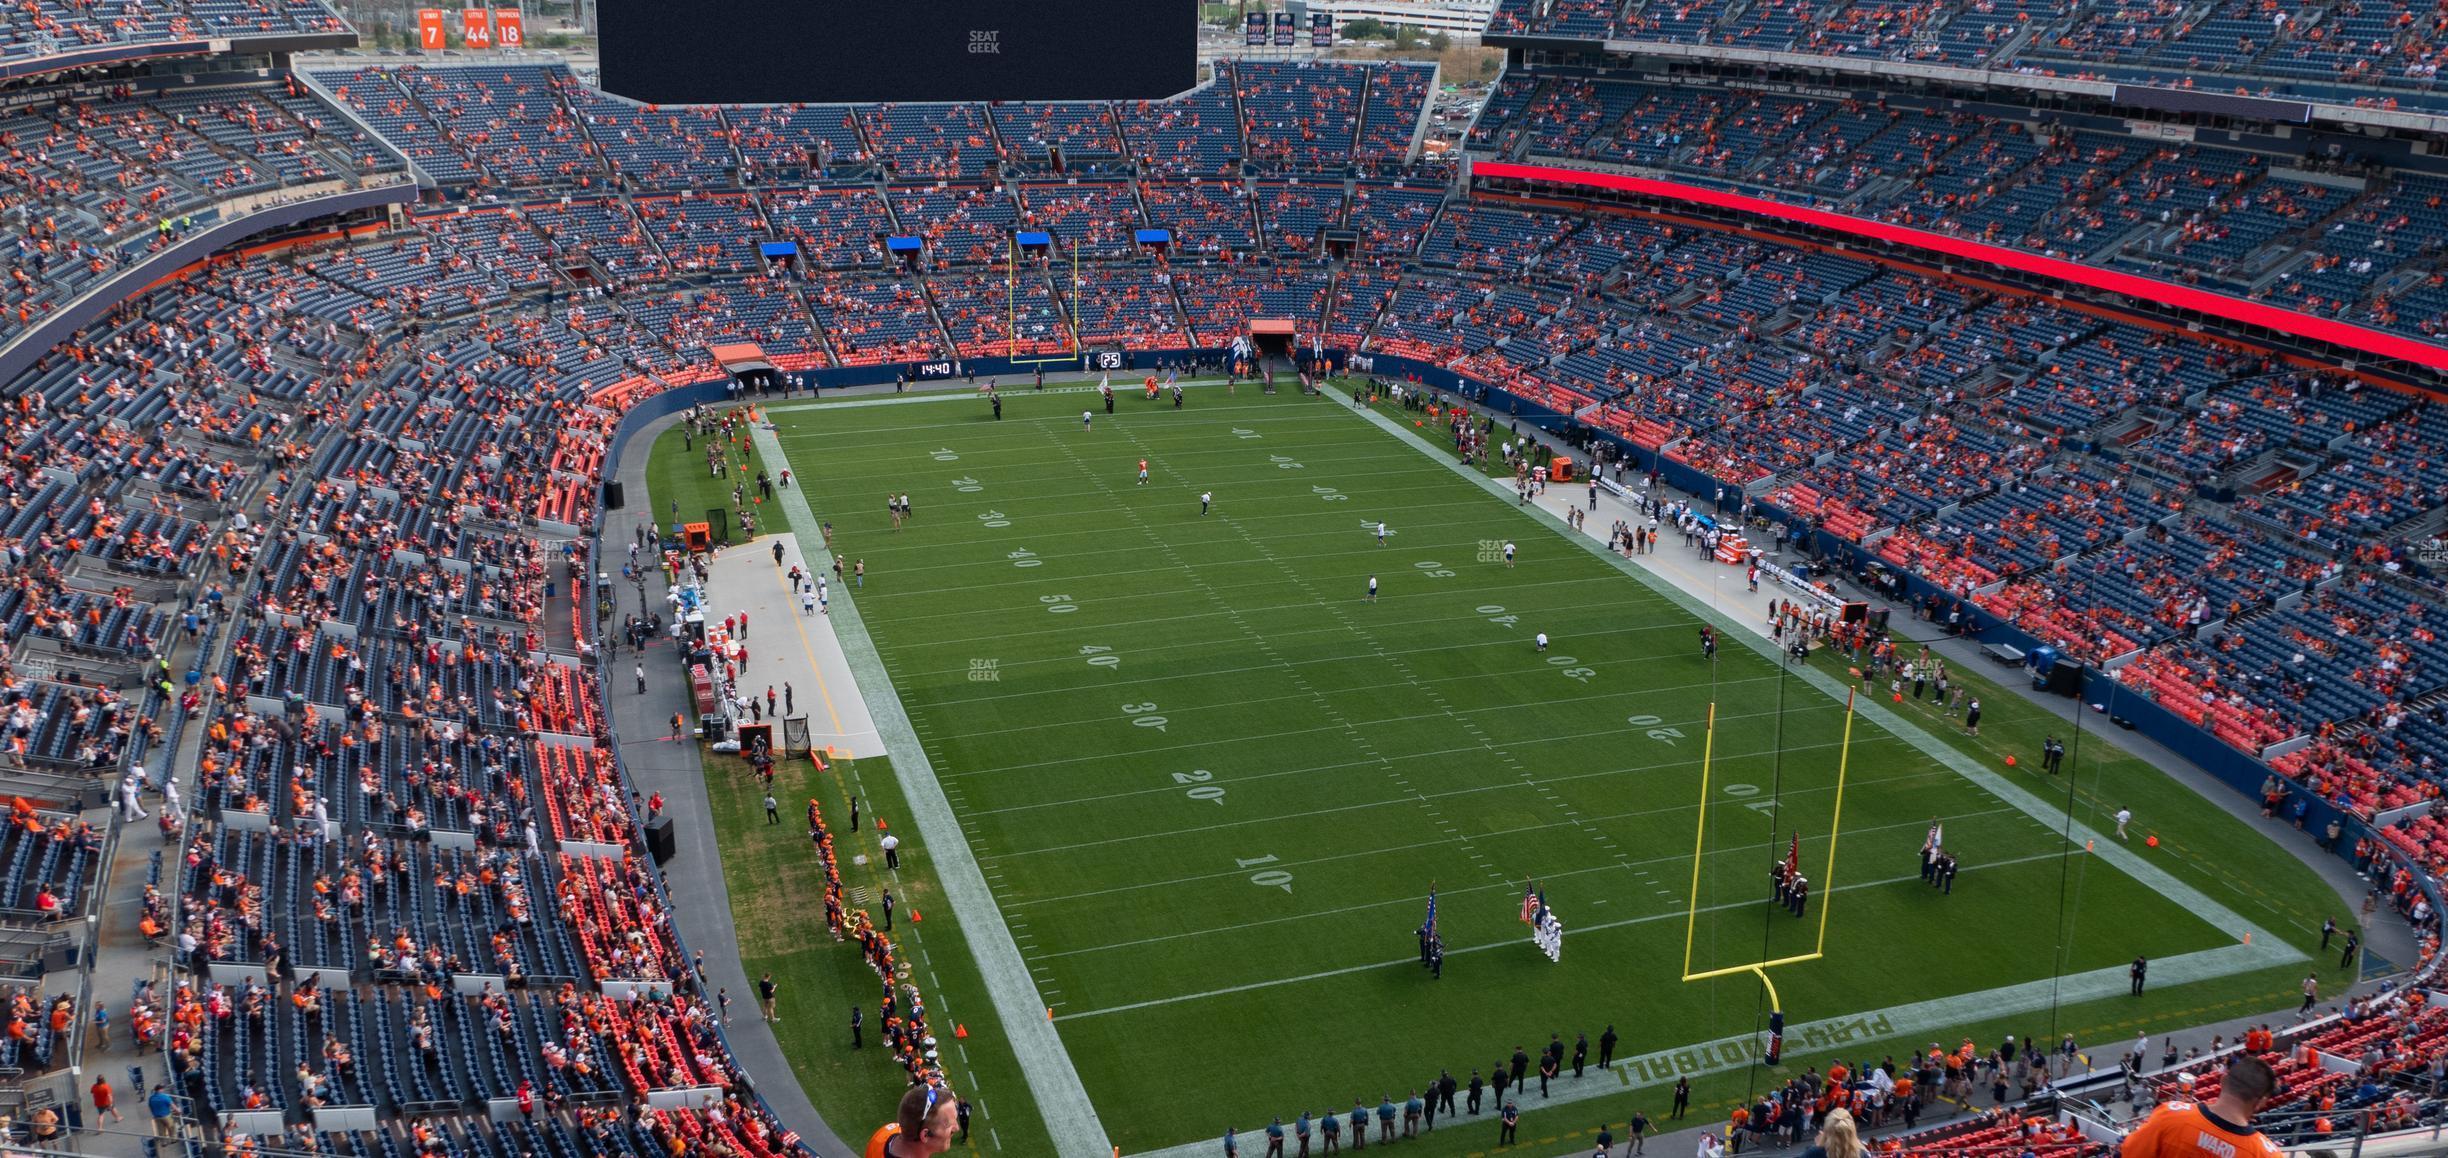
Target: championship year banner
x: 1254, y: 29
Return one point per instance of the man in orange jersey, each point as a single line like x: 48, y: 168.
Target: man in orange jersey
x: 2222, y: 1129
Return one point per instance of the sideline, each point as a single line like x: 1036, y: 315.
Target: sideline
x: 1069, y: 1116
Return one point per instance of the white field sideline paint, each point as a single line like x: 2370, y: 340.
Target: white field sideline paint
x: 1908, y: 1026
x: 1052, y: 1080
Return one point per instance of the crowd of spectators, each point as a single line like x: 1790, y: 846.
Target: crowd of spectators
x: 2247, y: 223
x: 404, y: 413
x: 2368, y: 53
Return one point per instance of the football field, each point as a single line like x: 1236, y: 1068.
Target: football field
x: 1211, y: 782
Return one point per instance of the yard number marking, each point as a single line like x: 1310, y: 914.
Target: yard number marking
x: 1101, y: 656
x: 1434, y: 570
x: 944, y: 454
x: 1025, y: 558
x: 1330, y: 494
x: 995, y: 519
x: 1244, y: 434
x: 1283, y: 463
x: 1271, y: 878
x: 1058, y: 604
x: 1143, y: 716
x: 1204, y: 790
x: 1767, y: 807
x: 967, y: 485
x: 1666, y: 736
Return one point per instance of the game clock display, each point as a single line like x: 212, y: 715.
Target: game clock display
x: 828, y: 51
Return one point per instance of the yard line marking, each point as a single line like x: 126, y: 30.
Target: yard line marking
x: 1474, y: 789
x: 1745, y: 850
x: 1610, y: 730
x: 1576, y: 930
x: 1070, y: 1118
x: 1330, y: 706
x: 1006, y: 634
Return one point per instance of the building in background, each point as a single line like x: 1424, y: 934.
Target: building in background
x: 1461, y: 19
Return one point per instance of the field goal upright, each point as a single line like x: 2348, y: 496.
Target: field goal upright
x: 1691, y: 919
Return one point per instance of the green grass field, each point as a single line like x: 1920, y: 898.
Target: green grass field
x: 1212, y: 785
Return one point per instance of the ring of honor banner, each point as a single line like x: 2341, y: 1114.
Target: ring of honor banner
x: 476, y: 27
x: 851, y: 51
x: 509, y: 29
x: 433, y: 35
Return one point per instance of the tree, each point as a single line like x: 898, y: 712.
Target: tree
x: 1438, y: 42
x: 1405, y: 36
x: 1366, y: 28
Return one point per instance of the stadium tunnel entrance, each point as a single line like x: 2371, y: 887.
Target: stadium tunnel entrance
x: 749, y: 368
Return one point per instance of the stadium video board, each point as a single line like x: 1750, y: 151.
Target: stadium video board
x: 831, y: 51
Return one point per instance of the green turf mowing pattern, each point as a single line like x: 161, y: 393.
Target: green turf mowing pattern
x: 1210, y: 784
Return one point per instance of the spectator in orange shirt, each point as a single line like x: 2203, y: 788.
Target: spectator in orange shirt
x: 2222, y: 1129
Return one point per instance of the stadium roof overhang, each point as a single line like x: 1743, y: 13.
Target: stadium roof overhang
x: 113, y: 55
x: 1874, y: 72
x: 740, y: 358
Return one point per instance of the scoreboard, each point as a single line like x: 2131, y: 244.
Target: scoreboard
x: 832, y: 51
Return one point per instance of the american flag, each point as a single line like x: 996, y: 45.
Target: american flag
x: 1432, y: 910
x: 1935, y: 835
x: 1530, y: 903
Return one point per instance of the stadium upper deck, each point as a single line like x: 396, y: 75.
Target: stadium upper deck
x: 2380, y: 54
x: 41, y: 36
